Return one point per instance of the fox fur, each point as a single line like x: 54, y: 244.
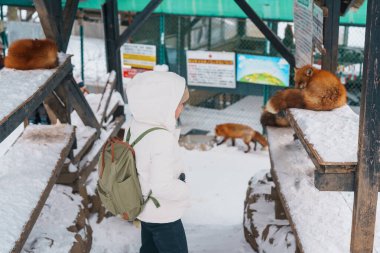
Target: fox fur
x: 233, y: 131
x: 315, y: 89
x: 29, y: 54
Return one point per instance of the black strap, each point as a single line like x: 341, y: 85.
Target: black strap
x: 142, y: 135
x: 128, y: 135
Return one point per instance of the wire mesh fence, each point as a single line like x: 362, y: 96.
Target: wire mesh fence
x: 173, y: 35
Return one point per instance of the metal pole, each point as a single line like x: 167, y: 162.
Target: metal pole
x: 3, y: 32
x: 161, y: 57
x: 80, y: 20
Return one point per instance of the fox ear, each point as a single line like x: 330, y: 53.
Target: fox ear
x: 296, y: 69
x: 309, y: 72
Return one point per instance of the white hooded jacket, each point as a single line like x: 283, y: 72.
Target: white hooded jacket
x: 153, y: 98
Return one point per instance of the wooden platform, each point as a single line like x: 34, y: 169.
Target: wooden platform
x: 320, y: 220
x: 331, y: 140
x: 23, y: 91
x: 28, y: 171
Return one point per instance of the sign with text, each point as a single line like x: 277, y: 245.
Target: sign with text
x: 139, y: 55
x: 259, y: 69
x: 303, y: 31
x: 211, y: 69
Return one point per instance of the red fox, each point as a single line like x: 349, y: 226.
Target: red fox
x: 317, y: 90
x: 244, y: 132
x: 28, y: 54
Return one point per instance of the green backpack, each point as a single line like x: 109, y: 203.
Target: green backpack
x: 118, y: 185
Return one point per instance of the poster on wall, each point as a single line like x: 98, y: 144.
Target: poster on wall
x: 211, y: 69
x: 139, y: 56
x: 318, y: 28
x: 263, y: 70
x: 303, y: 34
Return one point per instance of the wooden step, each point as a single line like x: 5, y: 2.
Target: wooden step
x: 28, y: 172
x: 321, y: 221
x: 331, y: 140
x: 23, y: 91
x: 85, y: 136
x: 62, y: 225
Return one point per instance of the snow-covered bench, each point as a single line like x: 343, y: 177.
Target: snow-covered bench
x: 28, y: 171
x: 22, y: 92
x: 331, y: 140
x: 321, y: 220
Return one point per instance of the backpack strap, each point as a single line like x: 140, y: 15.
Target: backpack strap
x: 128, y: 135
x: 155, y: 201
x: 143, y: 134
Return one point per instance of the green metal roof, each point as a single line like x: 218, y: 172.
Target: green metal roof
x: 281, y: 10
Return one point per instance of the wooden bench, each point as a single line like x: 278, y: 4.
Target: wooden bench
x: 28, y: 171
x: 331, y: 140
x: 320, y: 220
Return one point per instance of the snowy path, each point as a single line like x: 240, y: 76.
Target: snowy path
x: 218, y: 180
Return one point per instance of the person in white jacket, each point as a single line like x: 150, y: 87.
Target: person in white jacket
x: 156, y: 99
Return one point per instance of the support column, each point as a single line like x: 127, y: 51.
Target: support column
x: 331, y: 36
x: 368, y: 170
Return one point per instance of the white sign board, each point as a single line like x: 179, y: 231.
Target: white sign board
x: 139, y: 55
x: 211, y: 69
x: 303, y: 31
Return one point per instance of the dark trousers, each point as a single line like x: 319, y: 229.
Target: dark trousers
x: 163, y: 238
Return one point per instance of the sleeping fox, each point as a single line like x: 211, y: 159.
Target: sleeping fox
x: 28, y: 54
x: 317, y: 90
x: 244, y: 132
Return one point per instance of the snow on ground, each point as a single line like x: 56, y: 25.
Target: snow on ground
x: 218, y: 179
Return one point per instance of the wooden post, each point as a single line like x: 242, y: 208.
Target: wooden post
x: 331, y: 36
x: 365, y: 200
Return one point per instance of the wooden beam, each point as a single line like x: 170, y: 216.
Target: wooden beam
x: 334, y: 181
x: 268, y: 33
x: 367, y: 183
x: 50, y: 20
x: 331, y: 35
x: 111, y: 32
x: 81, y: 106
x: 138, y: 21
x: 69, y: 14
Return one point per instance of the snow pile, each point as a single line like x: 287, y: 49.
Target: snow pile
x: 50, y: 232
x: 24, y: 175
x: 333, y: 134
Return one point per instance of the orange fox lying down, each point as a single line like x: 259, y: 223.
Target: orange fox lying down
x: 317, y: 90
x: 32, y: 54
x: 244, y: 132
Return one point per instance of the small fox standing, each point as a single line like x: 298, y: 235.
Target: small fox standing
x: 317, y: 90
x: 28, y: 54
x: 233, y: 131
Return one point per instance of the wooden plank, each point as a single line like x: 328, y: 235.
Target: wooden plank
x: 82, y: 107
x: 85, y: 136
x: 49, y: 23
x: 69, y: 15
x: 48, y: 147
x: 110, y: 86
x: 367, y: 175
x: 322, y: 166
x: 320, y: 220
x: 334, y: 181
x: 10, y: 119
x: 89, y: 162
